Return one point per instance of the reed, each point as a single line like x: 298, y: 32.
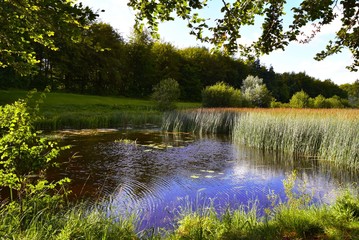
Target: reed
x: 201, y: 121
x: 328, y: 135
x: 78, y: 222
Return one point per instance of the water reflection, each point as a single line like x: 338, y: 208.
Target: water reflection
x: 157, y: 174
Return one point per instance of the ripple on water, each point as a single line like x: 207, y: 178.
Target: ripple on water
x: 160, y: 182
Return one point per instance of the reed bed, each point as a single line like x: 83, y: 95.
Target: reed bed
x: 201, y: 121
x: 329, y: 135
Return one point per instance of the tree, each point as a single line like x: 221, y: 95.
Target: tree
x: 25, y: 24
x: 255, y: 92
x: 165, y: 93
x: 96, y: 66
x: 139, y: 68
x: 226, y: 29
x: 353, y: 92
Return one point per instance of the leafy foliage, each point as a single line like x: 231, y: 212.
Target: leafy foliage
x: 300, y: 100
x: 166, y: 93
x: 27, y: 25
x: 221, y: 95
x: 225, y: 31
x: 25, y: 155
x: 255, y: 92
x: 353, y: 92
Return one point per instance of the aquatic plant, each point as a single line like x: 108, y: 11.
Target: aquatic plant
x: 202, y: 121
x: 329, y: 135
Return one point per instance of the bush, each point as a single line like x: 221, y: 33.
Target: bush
x: 165, y: 93
x: 255, y: 92
x: 334, y: 102
x: 221, y: 95
x: 300, y: 100
x: 320, y: 102
x: 25, y: 156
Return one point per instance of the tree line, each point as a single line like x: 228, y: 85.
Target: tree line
x: 98, y: 60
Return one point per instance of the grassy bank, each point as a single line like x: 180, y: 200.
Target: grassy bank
x: 64, y: 110
x: 327, y: 135
x: 295, y: 218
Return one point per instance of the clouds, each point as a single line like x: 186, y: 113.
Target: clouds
x: 117, y: 14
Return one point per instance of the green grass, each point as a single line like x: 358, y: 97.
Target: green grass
x: 65, y: 110
x: 294, y: 219
x: 78, y: 222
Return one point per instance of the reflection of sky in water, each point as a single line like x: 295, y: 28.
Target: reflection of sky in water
x: 165, y: 173
x: 211, y: 171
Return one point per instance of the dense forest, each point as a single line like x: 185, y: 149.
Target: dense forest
x: 103, y: 62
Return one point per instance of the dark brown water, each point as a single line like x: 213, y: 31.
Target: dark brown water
x: 157, y: 174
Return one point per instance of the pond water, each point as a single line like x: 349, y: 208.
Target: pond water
x: 159, y: 174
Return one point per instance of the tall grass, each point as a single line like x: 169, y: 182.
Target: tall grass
x: 331, y: 136
x: 78, y: 222
x: 202, y: 121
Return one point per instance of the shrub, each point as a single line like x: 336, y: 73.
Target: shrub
x: 221, y: 95
x: 255, y: 92
x: 165, y: 93
x: 320, y: 102
x: 25, y: 156
x: 334, y: 102
x: 300, y: 100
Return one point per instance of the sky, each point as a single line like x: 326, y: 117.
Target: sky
x: 296, y: 57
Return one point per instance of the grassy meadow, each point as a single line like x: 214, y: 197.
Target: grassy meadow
x: 76, y: 111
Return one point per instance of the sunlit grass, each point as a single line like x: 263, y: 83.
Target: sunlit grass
x: 78, y: 222
x: 76, y: 111
x: 328, y: 135
x: 293, y: 218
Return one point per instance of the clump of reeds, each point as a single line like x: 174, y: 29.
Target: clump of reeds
x: 202, y: 121
x: 330, y: 135
x: 323, y: 135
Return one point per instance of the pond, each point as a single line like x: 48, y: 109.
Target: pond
x: 157, y: 174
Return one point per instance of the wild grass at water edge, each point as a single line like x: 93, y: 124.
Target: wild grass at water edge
x: 294, y: 218
x: 76, y: 111
x: 327, y: 135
